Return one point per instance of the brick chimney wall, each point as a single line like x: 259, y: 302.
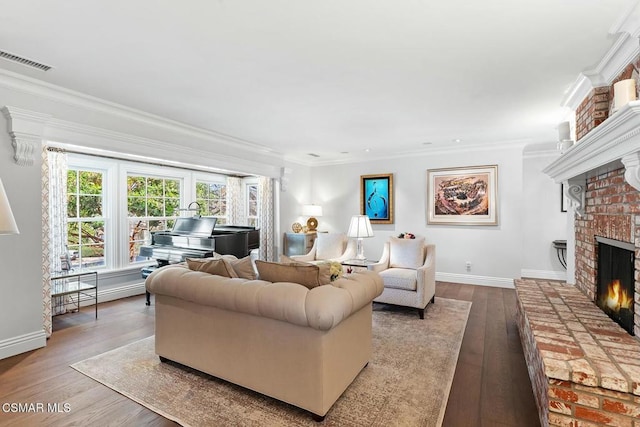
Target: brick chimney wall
x: 595, y: 108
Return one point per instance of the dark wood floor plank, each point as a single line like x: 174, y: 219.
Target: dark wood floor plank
x: 491, y: 384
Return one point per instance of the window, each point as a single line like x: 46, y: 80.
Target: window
x: 85, y: 218
x: 252, y: 204
x: 212, y: 198
x: 152, y: 205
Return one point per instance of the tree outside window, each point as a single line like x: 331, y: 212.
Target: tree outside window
x: 85, y: 218
x: 212, y: 197
x: 152, y: 205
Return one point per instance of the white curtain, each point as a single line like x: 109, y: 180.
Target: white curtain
x: 57, y: 165
x: 266, y: 219
x: 235, y: 201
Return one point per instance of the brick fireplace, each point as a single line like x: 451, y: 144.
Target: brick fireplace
x: 584, y: 367
x: 612, y: 210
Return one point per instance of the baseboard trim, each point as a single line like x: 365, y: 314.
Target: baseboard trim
x: 544, y: 274
x: 467, y: 279
x: 22, y: 343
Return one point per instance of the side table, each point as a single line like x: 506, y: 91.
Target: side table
x: 356, y: 265
x: 68, y: 282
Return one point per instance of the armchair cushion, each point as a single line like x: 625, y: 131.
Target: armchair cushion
x: 400, y: 278
x: 406, y: 253
x: 330, y: 245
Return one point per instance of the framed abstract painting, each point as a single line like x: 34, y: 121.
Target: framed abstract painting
x: 376, y: 198
x: 463, y: 196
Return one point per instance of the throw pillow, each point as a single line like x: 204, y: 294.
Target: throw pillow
x: 243, y: 267
x: 308, y: 275
x: 329, y: 245
x: 406, y: 253
x: 219, y: 267
x: 327, y: 268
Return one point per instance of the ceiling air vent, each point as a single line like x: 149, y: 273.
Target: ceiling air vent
x: 24, y: 61
x: 313, y: 155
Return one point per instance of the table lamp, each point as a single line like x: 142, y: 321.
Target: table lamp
x: 7, y: 222
x: 360, y: 228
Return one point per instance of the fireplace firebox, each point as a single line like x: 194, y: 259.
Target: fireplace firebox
x: 615, y: 285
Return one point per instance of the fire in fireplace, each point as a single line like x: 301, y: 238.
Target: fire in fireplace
x: 614, y: 293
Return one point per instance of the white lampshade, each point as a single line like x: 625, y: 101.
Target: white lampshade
x: 312, y: 210
x: 7, y: 222
x: 360, y: 227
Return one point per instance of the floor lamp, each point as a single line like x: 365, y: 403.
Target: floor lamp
x: 7, y: 222
x: 360, y: 228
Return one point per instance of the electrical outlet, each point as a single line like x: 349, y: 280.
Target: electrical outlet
x: 468, y: 265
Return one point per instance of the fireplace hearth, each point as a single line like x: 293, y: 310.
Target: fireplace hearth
x: 615, y: 281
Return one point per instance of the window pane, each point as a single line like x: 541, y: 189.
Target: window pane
x: 155, y: 207
x: 72, y: 206
x: 73, y: 234
x: 172, y: 188
x: 92, y: 232
x: 90, y: 182
x: 71, y: 181
x: 172, y: 206
x: 90, y: 206
x: 202, y: 191
x: 136, y: 206
x: 136, y: 186
x: 155, y: 187
x: 157, y: 225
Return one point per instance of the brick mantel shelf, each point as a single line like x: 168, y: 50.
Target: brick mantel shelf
x: 612, y: 145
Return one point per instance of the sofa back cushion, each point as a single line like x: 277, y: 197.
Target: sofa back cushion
x: 308, y: 275
x: 220, y: 267
x: 329, y: 245
x: 406, y: 253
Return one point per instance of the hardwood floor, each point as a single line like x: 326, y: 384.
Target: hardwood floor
x: 491, y: 386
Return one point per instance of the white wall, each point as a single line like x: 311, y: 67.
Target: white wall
x: 495, y: 252
x: 543, y: 221
x: 21, y: 326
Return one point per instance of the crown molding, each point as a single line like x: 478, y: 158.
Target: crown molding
x: 96, y: 140
x: 69, y: 97
x: 386, y: 155
x: 26, y: 129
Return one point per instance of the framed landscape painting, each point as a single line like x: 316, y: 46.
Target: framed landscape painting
x: 463, y: 196
x: 376, y: 198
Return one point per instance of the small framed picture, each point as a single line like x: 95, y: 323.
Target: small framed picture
x: 376, y: 198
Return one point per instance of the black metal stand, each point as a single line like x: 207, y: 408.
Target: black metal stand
x: 561, y: 249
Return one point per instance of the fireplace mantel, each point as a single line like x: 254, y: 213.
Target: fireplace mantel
x: 613, y: 144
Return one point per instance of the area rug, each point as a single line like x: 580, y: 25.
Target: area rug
x: 406, y: 383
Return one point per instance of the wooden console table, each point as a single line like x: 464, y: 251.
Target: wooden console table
x: 69, y: 283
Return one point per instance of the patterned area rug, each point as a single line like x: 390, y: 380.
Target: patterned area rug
x: 406, y: 383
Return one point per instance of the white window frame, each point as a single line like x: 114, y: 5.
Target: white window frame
x: 247, y: 182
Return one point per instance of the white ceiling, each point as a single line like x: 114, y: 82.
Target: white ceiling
x: 323, y: 77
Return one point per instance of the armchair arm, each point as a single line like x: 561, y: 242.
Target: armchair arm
x: 349, y: 252
x: 426, y: 275
x: 311, y: 256
x: 383, y: 263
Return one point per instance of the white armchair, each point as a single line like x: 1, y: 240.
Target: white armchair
x: 407, y: 268
x: 329, y: 247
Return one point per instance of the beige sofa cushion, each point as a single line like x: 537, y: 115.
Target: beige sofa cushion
x: 220, y: 267
x: 308, y: 275
x: 406, y: 253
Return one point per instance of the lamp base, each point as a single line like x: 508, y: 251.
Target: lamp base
x: 360, y: 253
